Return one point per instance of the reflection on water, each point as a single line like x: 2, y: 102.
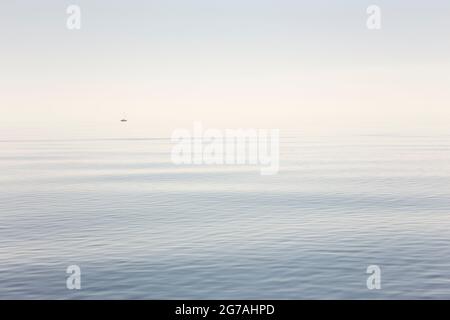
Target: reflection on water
x: 140, y: 227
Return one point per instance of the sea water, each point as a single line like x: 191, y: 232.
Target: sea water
x: 141, y: 227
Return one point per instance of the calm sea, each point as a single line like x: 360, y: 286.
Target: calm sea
x: 140, y: 227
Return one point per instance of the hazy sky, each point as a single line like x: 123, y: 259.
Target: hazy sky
x: 294, y: 65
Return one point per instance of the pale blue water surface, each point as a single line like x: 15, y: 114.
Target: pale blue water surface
x: 140, y: 227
